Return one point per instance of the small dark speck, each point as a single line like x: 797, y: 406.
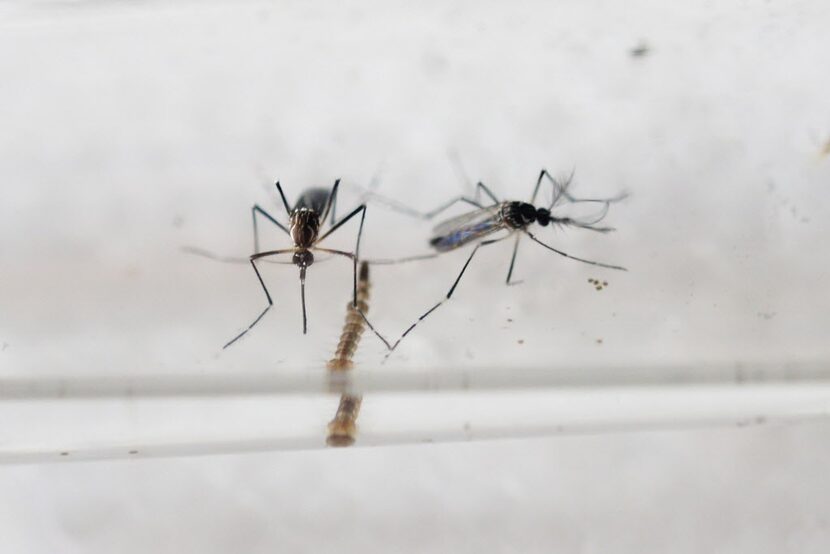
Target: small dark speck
x: 767, y: 315
x: 64, y: 453
x: 133, y: 452
x: 521, y: 341
x: 760, y: 420
x: 640, y: 51
x: 599, y: 341
x: 597, y: 284
x: 509, y: 320
x: 826, y: 150
x: 5, y: 345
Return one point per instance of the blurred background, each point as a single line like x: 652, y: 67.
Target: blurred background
x: 133, y: 129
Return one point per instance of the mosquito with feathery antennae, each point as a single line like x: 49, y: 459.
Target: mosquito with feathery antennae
x: 512, y: 216
x: 305, y: 222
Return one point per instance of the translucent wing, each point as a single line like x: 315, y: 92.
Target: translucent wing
x: 466, y: 228
x: 466, y: 219
x: 314, y: 199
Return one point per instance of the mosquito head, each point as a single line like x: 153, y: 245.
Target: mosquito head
x: 542, y: 216
x: 303, y: 259
x: 305, y: 225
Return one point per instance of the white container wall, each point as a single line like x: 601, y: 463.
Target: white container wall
x: 133, y: 135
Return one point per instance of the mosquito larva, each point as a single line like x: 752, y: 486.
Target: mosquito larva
x: 342, y: 430
x: 354, y: 325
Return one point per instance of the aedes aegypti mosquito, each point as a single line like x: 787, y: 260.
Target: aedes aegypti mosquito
x: 305, y: 222
x: 503, y: 215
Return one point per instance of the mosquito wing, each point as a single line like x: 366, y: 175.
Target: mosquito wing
x: 465, y: 228
x: 314, y: 199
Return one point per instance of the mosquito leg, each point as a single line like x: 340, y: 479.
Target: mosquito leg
x: 357, y: 254
x: 538, y: 184
x: 354, y: 260
x: 560, y: 190
x: 411, y: 212
x: 256, y: 209
x: 481, y: 186
x: 261, y: 315
x: 402, y: 208
x: 561, y: 253
x: 284, y: 201
x: 395, y: 261
x: 333, y: 208
x: 473, y: 202
x: 264, y: 288
x: 362, y: 210
x: 201, y: 252
x: 337, y: 225
x: 462, y: 174
x: 331, y: 203
x: 211, y: 256
x: 423, y: 316
x: 355, y: 304
x: 513, y: 262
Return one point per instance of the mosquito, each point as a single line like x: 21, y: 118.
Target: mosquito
x: 514, y: 217
x: 305, y: 222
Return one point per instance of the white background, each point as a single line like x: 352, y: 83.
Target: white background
x: 128, y: 131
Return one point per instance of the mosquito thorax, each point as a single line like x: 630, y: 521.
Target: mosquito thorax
x: 518, y: 215
x: 303, y: 258
x: 305, y: 224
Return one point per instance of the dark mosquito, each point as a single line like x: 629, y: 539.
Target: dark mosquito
x: 515, y: 217
x: 305, y: 222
